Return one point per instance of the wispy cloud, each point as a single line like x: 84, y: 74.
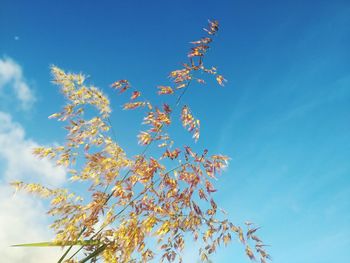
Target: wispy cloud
x: 11, y: 76
x: 22, y: 221
x: 16, y: 150
x: 22, y: 217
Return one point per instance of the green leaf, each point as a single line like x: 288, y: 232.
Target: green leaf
x: 61, y: 244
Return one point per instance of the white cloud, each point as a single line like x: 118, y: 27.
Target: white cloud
x: 23, y: 218
x: 11, y: 75
x: 21, y: 164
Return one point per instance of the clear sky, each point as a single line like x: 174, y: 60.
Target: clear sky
x: 283, y: 117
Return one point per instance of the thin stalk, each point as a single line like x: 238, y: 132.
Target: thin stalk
x: 94, y: 254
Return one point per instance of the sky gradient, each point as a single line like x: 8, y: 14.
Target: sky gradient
x: 283, y: 116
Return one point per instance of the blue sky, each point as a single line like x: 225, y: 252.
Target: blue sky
x: 283, y: 117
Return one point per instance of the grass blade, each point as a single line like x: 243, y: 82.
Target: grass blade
x: 61, y: 244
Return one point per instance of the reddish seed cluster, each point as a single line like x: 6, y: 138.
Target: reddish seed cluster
x: 121, y: 85
x: 189, y: 122
x: 163, y: 90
